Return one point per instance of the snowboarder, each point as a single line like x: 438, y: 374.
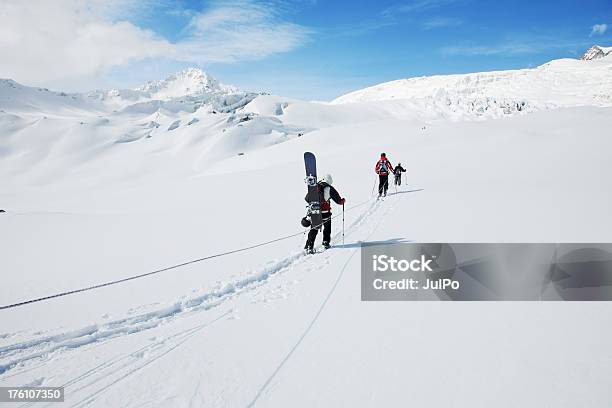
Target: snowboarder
x: 326, y: 193
x: 398, y: 174
x: 383, y: 168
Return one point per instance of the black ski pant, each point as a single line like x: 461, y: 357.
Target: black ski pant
x: 383, y: 184
x: 398, y: 179
x: 312, y: 234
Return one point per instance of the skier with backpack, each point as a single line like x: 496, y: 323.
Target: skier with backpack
x: 398, y: 174
x: 327, y: 193
x: 383, y: 168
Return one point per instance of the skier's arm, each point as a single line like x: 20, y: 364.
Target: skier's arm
x: 376, y: 167
x: 333, y: 193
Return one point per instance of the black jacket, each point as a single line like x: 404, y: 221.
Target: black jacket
x: 398, y: 170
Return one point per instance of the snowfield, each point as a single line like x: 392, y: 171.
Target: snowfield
x: 112, y: 184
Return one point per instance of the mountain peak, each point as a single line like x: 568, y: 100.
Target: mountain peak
x: 9, y: 83
x: 189, y: 81
x: 195, y: 76
x: 596, y: 52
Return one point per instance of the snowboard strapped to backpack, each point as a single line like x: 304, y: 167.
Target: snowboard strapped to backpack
x: 313, y: 194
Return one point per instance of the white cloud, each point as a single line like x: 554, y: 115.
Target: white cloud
x: 487, y: 50
x: 44, y: 41
x: 599, y: 29
x: 52, y: 40
x: 237, y: 31
x: 414, y: 6
x: 441, y: 22
x: 517, y: 46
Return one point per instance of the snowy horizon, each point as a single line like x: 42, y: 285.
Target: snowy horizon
x: 302, y: 49
x: 202, y: 75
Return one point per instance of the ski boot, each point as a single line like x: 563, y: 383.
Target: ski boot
x: 326, y: 245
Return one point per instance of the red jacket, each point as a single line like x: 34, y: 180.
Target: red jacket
x: 378, y: 166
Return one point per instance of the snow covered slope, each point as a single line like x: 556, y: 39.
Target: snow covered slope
x: 255, y: 327
x: 189, y: 110
x: 20, y: 99
x: 559, y: 83
x: 94, y: 193
x: 186, y: 90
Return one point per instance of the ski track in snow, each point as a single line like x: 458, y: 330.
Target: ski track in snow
x: 181, y: 337
x: 113, y: 372
x: 22, y: 354
x: 185, y: 335
x: 320, y: 309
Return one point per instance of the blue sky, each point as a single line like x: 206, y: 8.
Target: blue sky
x: 318, y: 49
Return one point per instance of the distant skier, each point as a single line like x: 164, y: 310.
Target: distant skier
x: 383, y: 168
x: 398, y: 174
x: 326, y: 194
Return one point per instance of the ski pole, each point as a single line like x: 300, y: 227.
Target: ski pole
x: 374, y: 186
x: 342, y: 223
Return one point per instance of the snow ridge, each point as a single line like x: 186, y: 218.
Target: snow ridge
x: 191, y: 86
x: 559, y: 83
x: 596, y: 52
x: 190, y: 81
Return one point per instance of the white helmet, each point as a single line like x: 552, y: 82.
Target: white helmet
x: 328, y: 179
